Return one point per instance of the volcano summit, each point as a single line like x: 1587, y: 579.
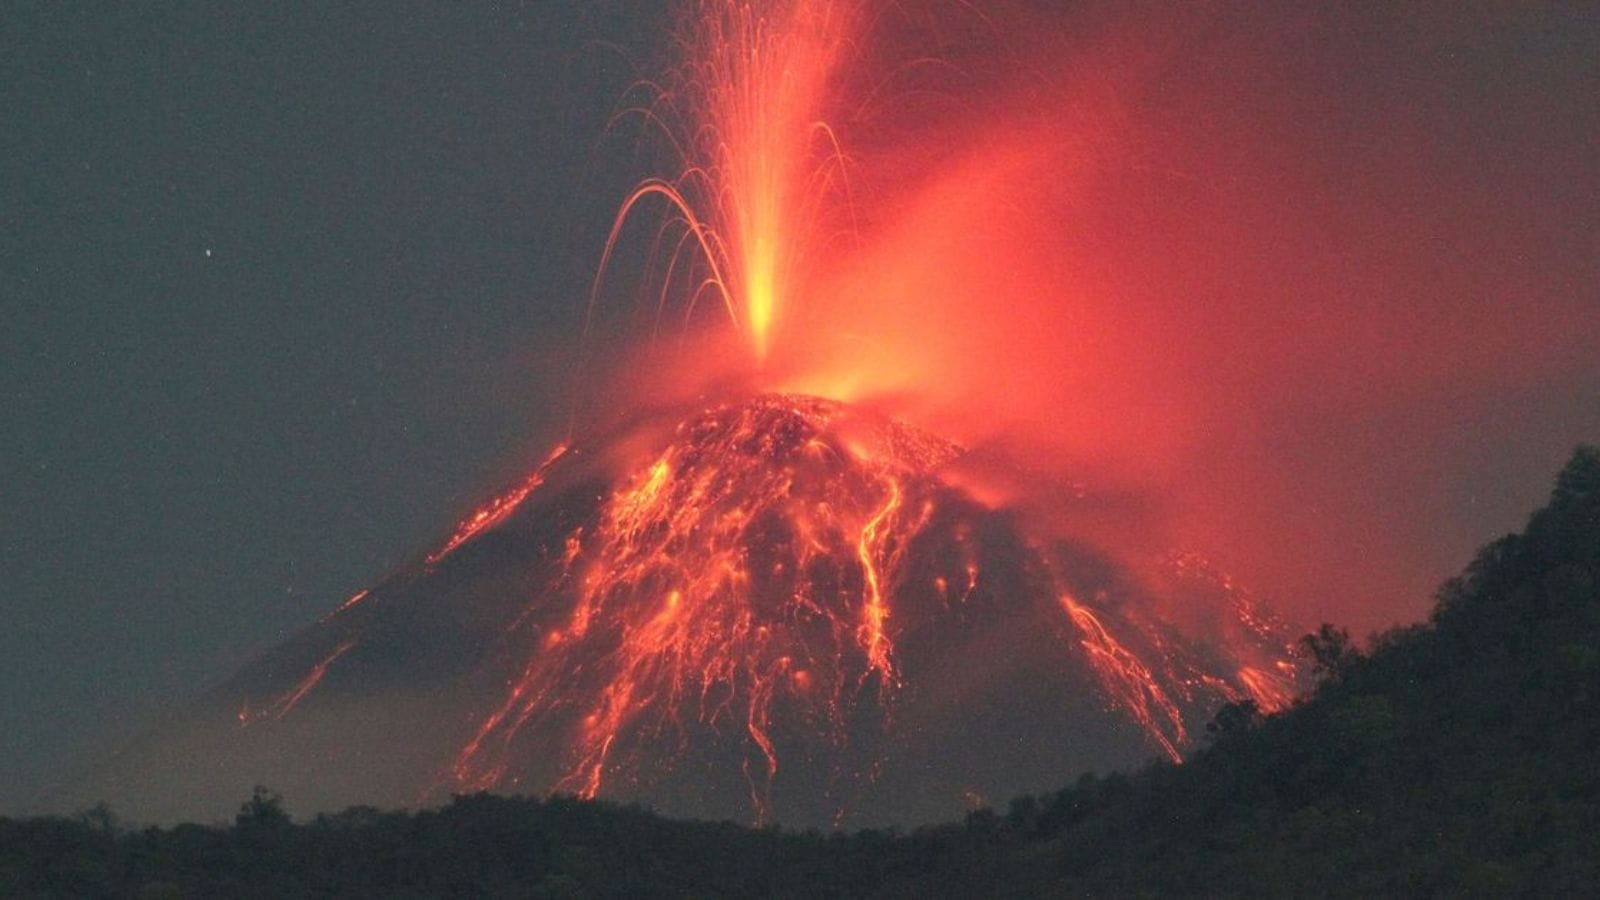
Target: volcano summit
x: 779, y: 609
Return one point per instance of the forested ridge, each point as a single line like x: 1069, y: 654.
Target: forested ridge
x: 1454, y: 756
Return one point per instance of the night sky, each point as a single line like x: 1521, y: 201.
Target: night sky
x: 272, y: 279
x: 285, y: 292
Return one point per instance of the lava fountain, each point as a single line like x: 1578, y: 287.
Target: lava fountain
x: 759, y: 164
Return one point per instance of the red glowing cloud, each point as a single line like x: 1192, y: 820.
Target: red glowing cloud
x: 1258, y: 266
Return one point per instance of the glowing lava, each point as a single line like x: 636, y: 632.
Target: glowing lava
x: 490, y: 514
x: 749, y: 565
x: 763, y: 562
x: 759, y: 163
x: 286, y: 703
x: 1128, y: 681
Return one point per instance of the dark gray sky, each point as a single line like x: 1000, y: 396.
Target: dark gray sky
x: 277, y: 291
x: 272, y: 280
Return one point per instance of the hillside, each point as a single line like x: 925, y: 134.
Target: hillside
x: 1454, y: 756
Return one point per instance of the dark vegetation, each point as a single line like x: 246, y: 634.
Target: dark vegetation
x: 1458, y: 756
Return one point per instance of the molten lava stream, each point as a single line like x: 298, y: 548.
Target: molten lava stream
x: 743, y: 568
x: 285, y: 703
x: 1128, y: 681
x: 497, y: 510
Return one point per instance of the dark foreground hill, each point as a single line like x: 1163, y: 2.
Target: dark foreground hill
x: 1453, y: 757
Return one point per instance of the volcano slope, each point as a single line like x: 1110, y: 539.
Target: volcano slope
x: 779, y: 609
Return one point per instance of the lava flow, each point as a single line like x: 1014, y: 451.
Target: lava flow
x: 750, y: 566
x: 284, y: 704
x: 779, y: 575
x: 492, y: 513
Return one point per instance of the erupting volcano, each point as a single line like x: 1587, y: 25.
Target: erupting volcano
x: 763, y: 604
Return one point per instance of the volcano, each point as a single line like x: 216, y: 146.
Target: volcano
x: 779, y: 609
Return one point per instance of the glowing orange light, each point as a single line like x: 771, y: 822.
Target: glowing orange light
x: 1129, y: 681
x: 497, y: 510
x: 876, y: 610
x: 1270, y: 692
x: 286, y: 703
x: 754, y: 147
x: 355, y: 599
x: 684, y: 532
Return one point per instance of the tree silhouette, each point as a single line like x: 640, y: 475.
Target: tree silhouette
x: 263, y: 810
x: 1331, y: 651
x: 1234, y: 719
